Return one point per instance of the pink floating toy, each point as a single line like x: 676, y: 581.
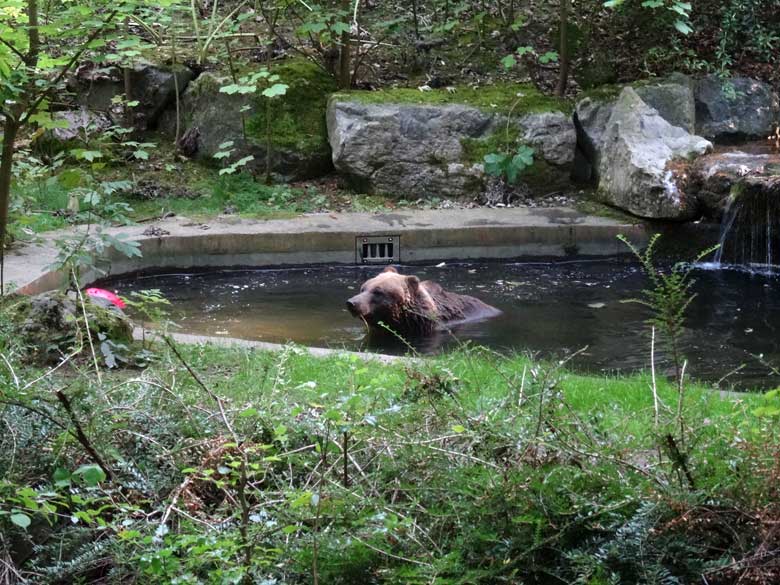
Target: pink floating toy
x: 107, y: 295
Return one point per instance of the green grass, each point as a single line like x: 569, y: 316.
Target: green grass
x: 464, y: 468
x: 39, y: 206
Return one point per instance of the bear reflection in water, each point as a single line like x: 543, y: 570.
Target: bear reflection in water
x: 414, y: 310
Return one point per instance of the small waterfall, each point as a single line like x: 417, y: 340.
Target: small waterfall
x: 750, y: 229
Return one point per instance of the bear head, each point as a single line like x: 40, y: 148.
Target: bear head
x: 399, y: 301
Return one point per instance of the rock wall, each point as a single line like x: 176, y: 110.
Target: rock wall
x: 636, y: 146
x: 299, y: 145
x: 413, y: 151
x: 152, y: 86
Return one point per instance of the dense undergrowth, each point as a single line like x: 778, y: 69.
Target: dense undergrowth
x: 46, y: 201
x: 232, y: 465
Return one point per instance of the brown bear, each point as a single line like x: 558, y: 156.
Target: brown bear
x: 410, y: 307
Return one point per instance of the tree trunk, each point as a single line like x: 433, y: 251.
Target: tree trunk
x: 10, y: 131
x: 563, y: 74
x: 33, y: 34
x: 345, y: 64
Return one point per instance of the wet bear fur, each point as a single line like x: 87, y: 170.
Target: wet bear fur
x: 412, y: 307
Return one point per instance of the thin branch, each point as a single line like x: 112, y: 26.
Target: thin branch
x: 81, y: 436
x: 205, y: 388
x: 13, y: 49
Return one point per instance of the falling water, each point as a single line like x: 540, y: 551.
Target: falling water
x: 750, y: 228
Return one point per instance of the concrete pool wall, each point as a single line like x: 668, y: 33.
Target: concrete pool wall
x: 424, y: 236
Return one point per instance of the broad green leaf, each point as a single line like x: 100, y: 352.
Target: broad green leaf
x: 21, y: 520
x: 243, y: 161
x: 275, y: 90
x: 70, y: 178
x: 683, y: 27
x: 88, y: 155
x: 509, y: 61
x: 341, y: 28
x: 92, y: 475
x: 61, y: 477
x: 44, y: 120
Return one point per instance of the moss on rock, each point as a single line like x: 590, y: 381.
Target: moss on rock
x: 48, y: 325
x: 298, y: 117
x: 501, y: 98
x: 474, y: 150
x: 602, y: 93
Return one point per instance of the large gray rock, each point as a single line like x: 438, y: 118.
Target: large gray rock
x: 590, y: 121
x: 730, y: 110
x: 552, y: 134
x: 82, y: 126
x: 153, y: 86
x: 213, y: 118
x: 713, y: 177
x: 673, y: 98
x: 50, y: 325
x: 638, y: 146
x: 406, y: 150
x: 417, y: 150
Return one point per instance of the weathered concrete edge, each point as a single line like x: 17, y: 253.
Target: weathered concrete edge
x: 463, y: 235
x: 319, y: 352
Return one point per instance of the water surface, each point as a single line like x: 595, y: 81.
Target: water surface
x: 548, y: 308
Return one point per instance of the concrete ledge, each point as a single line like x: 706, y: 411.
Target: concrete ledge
x: 321, y: 352
x: 424, y: 236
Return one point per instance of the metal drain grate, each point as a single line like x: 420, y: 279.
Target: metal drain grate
x: 377, y: 249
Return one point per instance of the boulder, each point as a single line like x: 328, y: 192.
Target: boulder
x: 83, y: 125
x: 414, y: 151
x: 590, y: 121
x: 407, y: 150
x: 638, y: 146
x: 153, y: 86
x: 552, y: 134
x: 49, y: 324
x: 714, y: 177
x: 673, y: 98
x: 730, y: 110
x: 299, y: 149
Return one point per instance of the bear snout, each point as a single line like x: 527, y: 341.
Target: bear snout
x: 354, y: 306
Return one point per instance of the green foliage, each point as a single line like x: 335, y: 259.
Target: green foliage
x: 509, y: 166
x: 669, y: 294
x: 747, y: 27
x: 297, y: 116
x: 681, y: 11
x: 510, y: 61
x: 469, y: 468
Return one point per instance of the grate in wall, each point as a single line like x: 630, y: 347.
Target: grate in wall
x: 377, y: 249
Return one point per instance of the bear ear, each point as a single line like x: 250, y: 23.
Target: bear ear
x: 390, y: 269
x: 413, y: 282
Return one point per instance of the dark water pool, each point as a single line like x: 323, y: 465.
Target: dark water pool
x: 548, y: 308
